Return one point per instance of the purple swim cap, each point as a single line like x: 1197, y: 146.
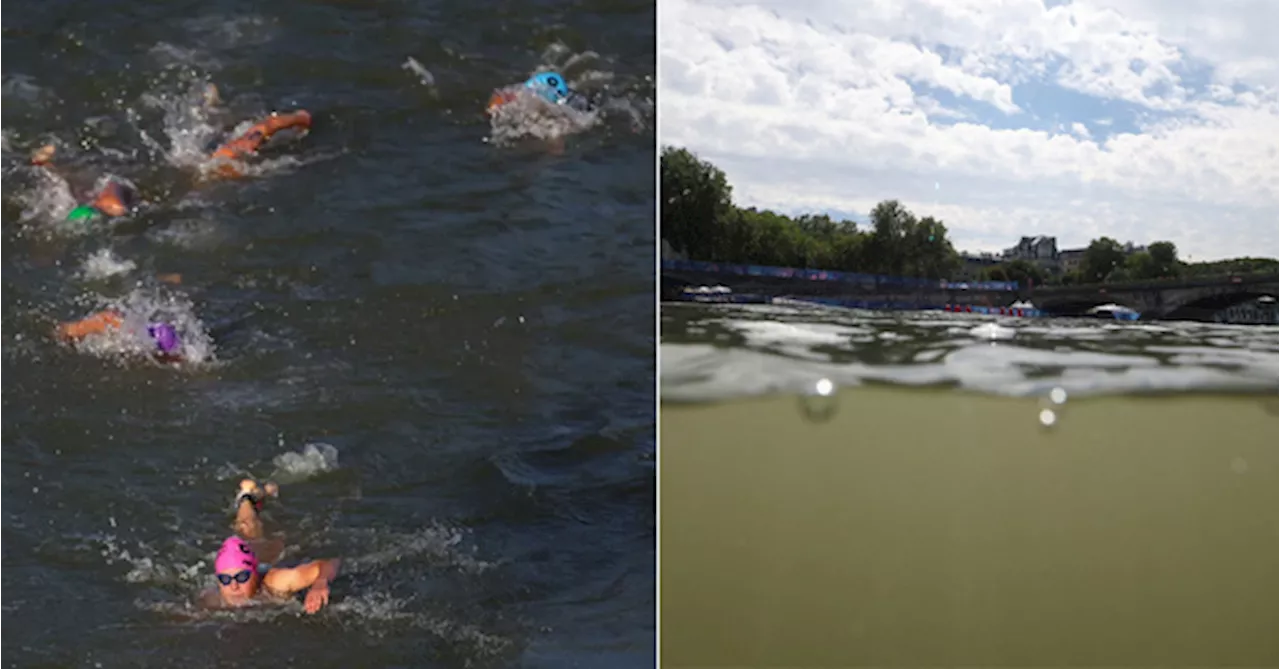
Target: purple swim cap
x: 165, y: 336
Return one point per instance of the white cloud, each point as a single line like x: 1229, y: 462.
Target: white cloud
x: 829, y: 105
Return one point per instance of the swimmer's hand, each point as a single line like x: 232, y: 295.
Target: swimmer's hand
x: 43, y: 154
x: 317, y: 596
x: 251, y: 488
x: 211, y: 98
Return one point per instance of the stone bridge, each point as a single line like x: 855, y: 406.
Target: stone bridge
x: 1196, y: 298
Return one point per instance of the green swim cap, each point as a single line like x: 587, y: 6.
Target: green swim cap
x: 83, y: 213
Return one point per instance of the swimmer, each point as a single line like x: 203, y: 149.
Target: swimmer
x: 550, y: 86
x: 165, y: 337
x: 247, y: 143
x: 114, y: 200
x: 242, y: 579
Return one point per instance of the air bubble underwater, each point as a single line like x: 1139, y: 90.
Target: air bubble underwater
x: 818, y: 402
x: 1051, y: 407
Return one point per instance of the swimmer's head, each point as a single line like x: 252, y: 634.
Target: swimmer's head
x: 83, y: 213
x: 549, y: 85
x: 236, y: 567
x: 115, y: 199
x: 165, y: 337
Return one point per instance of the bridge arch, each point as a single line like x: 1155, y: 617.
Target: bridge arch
x: 1080, y: 306
x: 1205, y: 307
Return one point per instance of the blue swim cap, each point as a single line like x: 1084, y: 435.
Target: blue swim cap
x: 550, y: 85
x: 165, y: 336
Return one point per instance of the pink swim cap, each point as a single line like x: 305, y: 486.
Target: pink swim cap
x: 235, y: 554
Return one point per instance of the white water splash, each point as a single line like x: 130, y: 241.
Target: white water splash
x: 424, y: 76
x: 312, y: 460
x: 438, y: 543
x: 104, y: 264
x: 528, y: 116
x: 141, y: 307
x: 50, y: 200
x: 992, y: 332
x: 186, y: 123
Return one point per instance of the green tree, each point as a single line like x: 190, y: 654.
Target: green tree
x: 994, y: 273
x: 1140, y: 266
x: 1101, y: 258
x: 890, y: 222
x: 1025, y: 273
x: 1164, y: 257
x: 696, y: 204
x: 927, y: 244
x: 699, y: 218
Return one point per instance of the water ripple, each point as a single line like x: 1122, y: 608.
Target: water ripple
x: 712, y: 353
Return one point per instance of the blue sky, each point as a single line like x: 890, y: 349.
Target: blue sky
x: 1138, y: 119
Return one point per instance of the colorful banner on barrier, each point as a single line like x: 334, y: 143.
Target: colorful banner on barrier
x: 868, y: 280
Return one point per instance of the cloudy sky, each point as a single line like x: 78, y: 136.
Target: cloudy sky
x: 1137, y: 119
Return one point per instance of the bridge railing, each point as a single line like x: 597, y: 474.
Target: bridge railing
x: 877, y: 280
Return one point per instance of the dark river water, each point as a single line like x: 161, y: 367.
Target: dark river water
x: 435, y: 333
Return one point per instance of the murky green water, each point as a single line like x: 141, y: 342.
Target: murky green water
x: 946, y: 510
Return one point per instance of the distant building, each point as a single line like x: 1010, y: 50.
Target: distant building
x: 1039, y: 250
x: 972, y: 264
x: 1069, y: 260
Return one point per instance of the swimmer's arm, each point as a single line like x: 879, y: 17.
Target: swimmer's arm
x: 288, y: 121
x: 43, y: 158
x: 95, y: 324
x: 253, y: 138
x: 313, y: 577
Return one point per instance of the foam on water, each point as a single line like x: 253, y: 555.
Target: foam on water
x: 313, y: 459
x: 438, y: 543
x: 48, y: 200
x: 424, y: 76
x: 528, y: 116
x: 104, y: 264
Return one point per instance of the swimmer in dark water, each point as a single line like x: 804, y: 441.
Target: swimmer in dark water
x: 550, y: 86
x: 247, y: 143
x: 115, y: 199
x: 243, y: 580
x: 168, y: 344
